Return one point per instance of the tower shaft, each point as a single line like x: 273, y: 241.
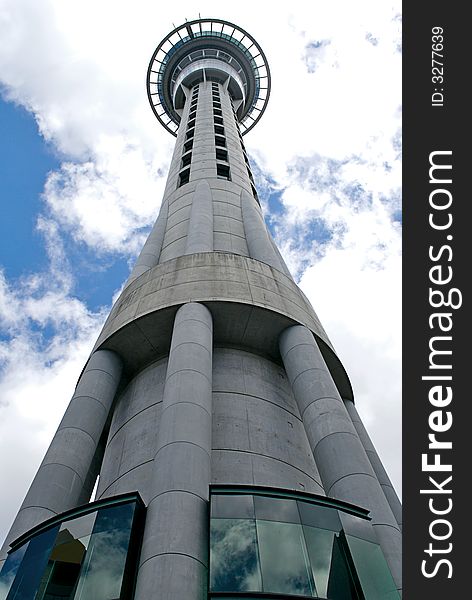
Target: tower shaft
x: 213, y: 377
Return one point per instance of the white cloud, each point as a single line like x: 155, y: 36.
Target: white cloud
x: 38, y: 372
x: 328, y: 142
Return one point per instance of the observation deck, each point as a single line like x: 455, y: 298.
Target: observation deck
x: 208, y: 50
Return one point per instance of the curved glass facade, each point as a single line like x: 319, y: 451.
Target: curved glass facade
x: 268, y: 543
x: 85, y: 554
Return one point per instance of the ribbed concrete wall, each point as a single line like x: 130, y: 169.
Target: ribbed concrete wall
x: 258, y: 434
x: 132, y: 439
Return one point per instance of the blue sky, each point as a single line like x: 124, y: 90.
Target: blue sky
x: 25, y: 160
x: 83, y: 164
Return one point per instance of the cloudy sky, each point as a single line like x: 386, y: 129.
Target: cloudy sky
x: 82, y: 170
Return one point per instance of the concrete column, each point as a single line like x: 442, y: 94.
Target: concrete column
x: 67, y: 474
x: 344, y: 467
x: 376, y: 463
x: 174, y: 556
x: 149, y: 256
x: 257, y: 237
x: 200, y: 228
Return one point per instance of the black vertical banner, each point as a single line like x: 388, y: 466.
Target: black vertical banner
x: 437, y: 261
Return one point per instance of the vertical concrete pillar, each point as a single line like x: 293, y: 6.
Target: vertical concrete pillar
x: 67, y: 474
x: 257, y: 237
x: 344, y: 467
x: 174, y: 556
x: 149, y: 256
x: 200, y: 228
x: 376, y: 463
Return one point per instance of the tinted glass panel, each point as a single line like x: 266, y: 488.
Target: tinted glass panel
x: 232, y: 507
x: 34, y: 563
x: 9, y: 570
x: 372, y: 570
x: 234, y: 564
x: 284, y: 559
x: 62, y: 572
x: 319, y: 516
x: 102, y: 571
x: 276, y: 509
x: 81, y: 558
x: 340, y: 584
x: 320, y: 544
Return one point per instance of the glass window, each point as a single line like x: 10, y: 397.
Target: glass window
x: 82, y: 558
x: 184, y: 177
x: 258, y: 544
x: 222, y: 172
x: 102, y: 573
x: 328, y: 564
x: 33, y: 565
x: 10, y: 569
x: 62, y: 571
x: 340, y: 583
x: 276, y: 509
x: 373, y: 572
x: 284, y: 559
x: 319, y: 516
x: 234, y: 564
x: 221, y: 154
x: 232, y: 506
x: 186, y: 160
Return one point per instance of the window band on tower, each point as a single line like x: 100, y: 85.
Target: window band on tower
x: 185, y: 164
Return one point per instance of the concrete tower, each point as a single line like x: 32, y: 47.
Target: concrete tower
x: 212, y: 384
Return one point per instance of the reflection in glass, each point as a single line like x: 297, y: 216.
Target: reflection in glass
x: 62, y: 572
x: 276, y: 509
x: 319, y: 516
x: 10, y: 569
x: 82, y: 558
x: 340, y: 583
x: 32, y: 566
x: 320, y: 545
x: 102, y: 571
x: 284, y: 558
x: 239, y: 506
x: 375, y: 577
x: 234, y: 564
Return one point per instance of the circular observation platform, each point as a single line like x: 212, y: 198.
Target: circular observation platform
x: 208, y: 50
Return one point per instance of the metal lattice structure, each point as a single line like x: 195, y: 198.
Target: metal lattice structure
x: 208, y: 40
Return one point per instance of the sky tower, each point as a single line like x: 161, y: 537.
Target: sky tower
x: 213, y: 410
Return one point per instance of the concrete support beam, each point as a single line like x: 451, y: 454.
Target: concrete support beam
x: 345, y: 469
x: 257, y: 236
x: 200, y: 229
x: 174, y: 556
x: 67, y: 474
x: 376, y: 463
x: 149, y: 256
